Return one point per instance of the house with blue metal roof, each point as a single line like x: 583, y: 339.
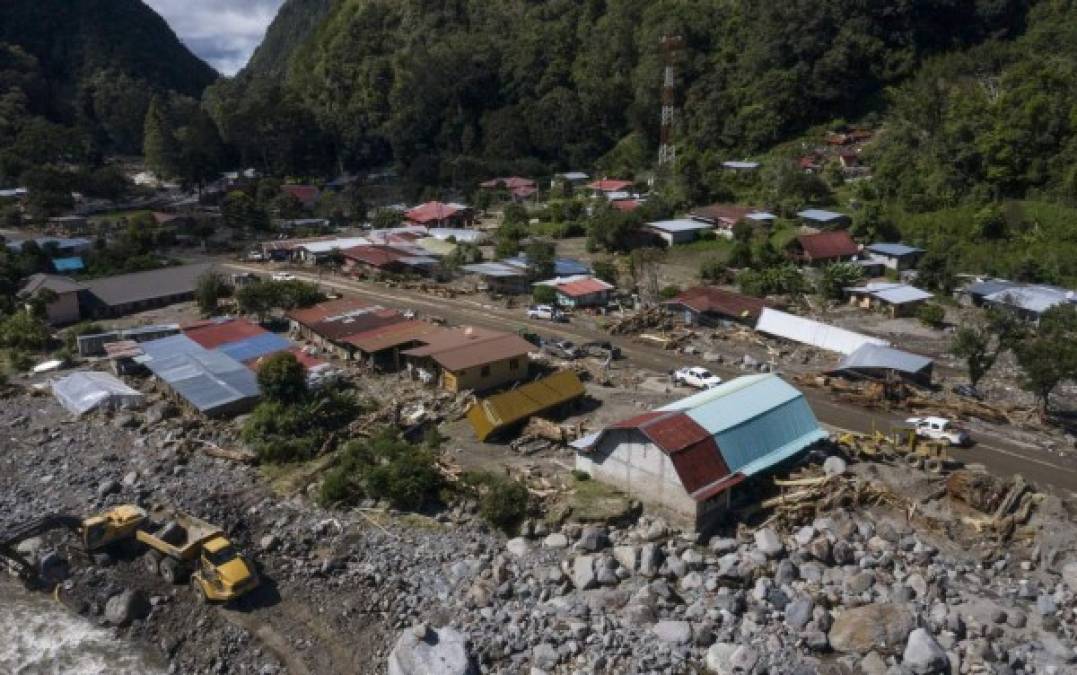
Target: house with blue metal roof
x: 897, y: 257
x: 823, y: 218
x: 688, y: 457
x: 208, y: 380
x: 894, y: 298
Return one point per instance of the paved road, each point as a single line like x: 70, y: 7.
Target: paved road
x: 1002, y: 456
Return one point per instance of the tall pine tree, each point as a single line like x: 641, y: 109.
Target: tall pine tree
x: 159, y: 142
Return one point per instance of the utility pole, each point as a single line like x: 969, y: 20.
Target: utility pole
x: 671, y: 45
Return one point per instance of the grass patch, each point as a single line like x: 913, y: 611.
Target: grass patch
x: 719, y: 245
x: 592, y: 501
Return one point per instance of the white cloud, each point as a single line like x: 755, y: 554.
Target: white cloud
x: 223, y: 32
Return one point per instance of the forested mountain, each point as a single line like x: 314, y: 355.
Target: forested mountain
x: 447, y: 88
x: 77, y: 77
x: 293, y: 24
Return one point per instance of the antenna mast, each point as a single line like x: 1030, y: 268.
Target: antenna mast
x: 671, y: 44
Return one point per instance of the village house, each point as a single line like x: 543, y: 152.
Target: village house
x: 689, y: 458
x: 381, y: 347
x: 389, y: 259
x: 307, y: 195
x: 1026, y: 301
x: 205, y: 380
x: 724, y: 217
x: 470, y: 359
x: 823, y: 219
x: 518, y: 188
x: 897, y: 257
x: 500, y: 279
x: 62, y: 246
x: 710, y: 306
x: 897, y: 300
x: 678, y: 231
x: 438, y: 214
x: 740, y: 166
x: 579, y: 291
x: 569, y: 179
x: 824, y: 247
x: 607, y: 187
x: 69, y: 224
x: 329, y: 324
x: 65, y: 308
x: 626, y: 205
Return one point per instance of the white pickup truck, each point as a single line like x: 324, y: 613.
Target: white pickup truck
x: 939, y: 429
x: 697, y: 377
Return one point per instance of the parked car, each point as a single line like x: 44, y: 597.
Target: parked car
x: 256, y: 256
x: 600, y: 348
x: 697, y: 377
x: 283, y: 276
x: 545, y: 312
x: 939, y: 429
x: 563, y: 349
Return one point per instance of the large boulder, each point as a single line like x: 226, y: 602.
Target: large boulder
x: 923, y: 655
x: 882, y: 627
x: 123, y: 608
x: 1069, y: 575
x: 768, y: 542
x: 675, y: 632
x: 584, y: 575
x: 422, y: 650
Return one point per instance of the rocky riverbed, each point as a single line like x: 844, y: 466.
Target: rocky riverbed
x: 864, y: 590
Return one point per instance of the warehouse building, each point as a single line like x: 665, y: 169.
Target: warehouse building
x: 139, y: 291
x: 206, y: 380
x: 688, y: 458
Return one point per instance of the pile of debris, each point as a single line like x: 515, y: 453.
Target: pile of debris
x: 643, y: 320
x: 1006, y: 504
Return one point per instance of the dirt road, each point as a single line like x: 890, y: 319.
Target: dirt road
x: 1002, y: 456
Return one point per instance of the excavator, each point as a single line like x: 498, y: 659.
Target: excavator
x: 176, y: 545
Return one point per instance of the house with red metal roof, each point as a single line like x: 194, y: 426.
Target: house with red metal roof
x: 375, y: 258
x: 709, y: 306
x: 306, y: 194
x: 824, y: 247
x: 329, y: 324
x: 608, y: 185
x: 580, y: 290
x: 692, y: 459
x: 440, y: 214
x: 519, y: 188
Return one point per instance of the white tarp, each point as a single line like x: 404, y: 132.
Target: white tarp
x: 813, y: 333
x: 86, y: 390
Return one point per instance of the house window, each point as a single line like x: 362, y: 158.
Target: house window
x: 485, y: 372
x: 514, y: 364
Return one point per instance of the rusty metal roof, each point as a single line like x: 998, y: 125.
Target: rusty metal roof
x: 216, y: 332
x: 456, y: 350
x: 393, y: 335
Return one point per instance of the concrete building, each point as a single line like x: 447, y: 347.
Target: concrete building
x: 65, y: 308
x: 688, y: 458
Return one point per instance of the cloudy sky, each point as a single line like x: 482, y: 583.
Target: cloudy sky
x: 222, y: 32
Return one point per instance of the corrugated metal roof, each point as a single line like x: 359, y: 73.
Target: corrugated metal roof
x: 813, y: 333
x: 678, y: 225
x: 433, y: 212
x: 393, y: 335
x: 493, y: 414
x: 824, y: 245
x: 52, y: 282
x: 895, y: 250
x: 494, y: 269
x: 708, y: 299
x: 309, y: 316
x: 140, y: 286
x: 582, y: 287
x: 884, y: 358
x: 255, y: 346
x: 562, y: 267
x: 820, y: 216
x: 338, y: 244
x: 209, y: 380
x: 893, y: 294
x: 460, y: 235
x: 216, y: 332
x: 740, y: 165
x: 1036, y: 299
x: 609, y: 185
x: 989, y: 286
x: 467, y: 351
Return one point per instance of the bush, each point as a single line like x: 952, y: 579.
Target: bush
x: 580, y: 475
x: 544, y: 295
x: 670, y: 292
x: 282, y: 377
x: 296, y: 431
x: 713, y: 270
x: 71, y: 335
x: 931, y: 314
x: 503, y: 503
x: 383, y: 467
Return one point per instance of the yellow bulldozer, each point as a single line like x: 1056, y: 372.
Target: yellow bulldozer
x: 175, y: 545
x: 900, y: 445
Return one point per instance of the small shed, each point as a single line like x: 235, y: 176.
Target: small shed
x: 500, y: 278
x: 89, y: 390
x: 579, y: 291
x: 825, y: 247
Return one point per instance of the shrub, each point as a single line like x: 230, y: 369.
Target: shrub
x: 544, y: 295
x: 383, y: 467
x: 670, y: 292
x: 283, y: 378
x: 931, y: 314
x: 714, y: 270
x: 505, y: 505
x: 295, y: 431
x: 580, y: 475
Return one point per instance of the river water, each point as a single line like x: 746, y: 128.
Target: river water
x: 39, y: 636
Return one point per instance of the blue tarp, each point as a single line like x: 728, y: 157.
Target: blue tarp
x: 72, y: 264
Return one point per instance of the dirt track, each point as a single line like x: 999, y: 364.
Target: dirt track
x: 1001, y: 455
